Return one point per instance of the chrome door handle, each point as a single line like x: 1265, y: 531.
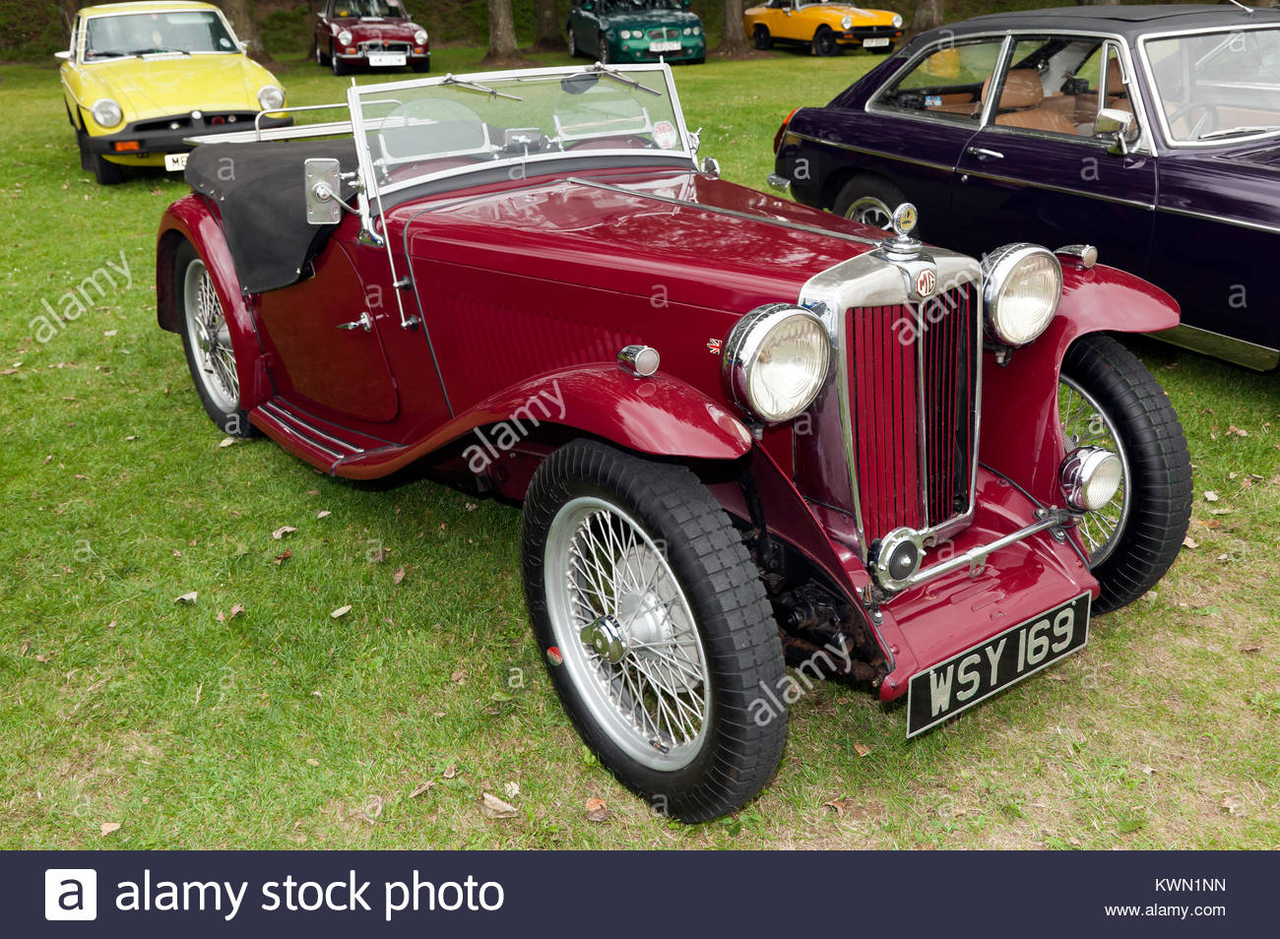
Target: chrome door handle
x: 982, y: 153
x: 365, y: 322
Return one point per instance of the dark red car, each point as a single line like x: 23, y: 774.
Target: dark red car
x: 745, y: 432
x: 373, y: 33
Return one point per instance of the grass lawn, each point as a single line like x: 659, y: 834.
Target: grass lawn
x: 193, y: 725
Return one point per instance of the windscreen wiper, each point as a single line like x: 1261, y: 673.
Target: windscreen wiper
x: 476, y: 86
x: 1236, y: 131
x: 601, y: 69
x: 157, y: 51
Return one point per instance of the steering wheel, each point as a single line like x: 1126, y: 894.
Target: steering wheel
x: 1210, y: 113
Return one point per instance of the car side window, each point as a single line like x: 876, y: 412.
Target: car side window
x: 946, y: 82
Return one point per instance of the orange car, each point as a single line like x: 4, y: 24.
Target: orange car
x: 825, y: 27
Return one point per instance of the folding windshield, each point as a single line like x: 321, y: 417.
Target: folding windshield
x: 1217, y: 86
x: 411, y: 132
x: 157, y: 32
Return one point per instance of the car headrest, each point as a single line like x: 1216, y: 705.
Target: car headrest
x: 1115, y: 81
x: 1022, y: 89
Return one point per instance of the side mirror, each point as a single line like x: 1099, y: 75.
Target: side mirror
x: 64, y: 55
x: 588, y: 5
x: 1119, y: 126
x: 322, y: 185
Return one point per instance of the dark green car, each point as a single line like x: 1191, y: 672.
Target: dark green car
x: 636, y: 31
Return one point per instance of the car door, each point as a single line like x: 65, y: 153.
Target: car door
x: 911, y: 134
x: 784, y: 19
x: 1037, y: 171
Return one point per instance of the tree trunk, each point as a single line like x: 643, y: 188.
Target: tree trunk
x: 243, y: 21
x: 549, y: 38
x: 928, y: 15
x: 733, y: 38
x: 502, y: 37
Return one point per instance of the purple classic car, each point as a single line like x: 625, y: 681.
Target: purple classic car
x: 1150, y: 132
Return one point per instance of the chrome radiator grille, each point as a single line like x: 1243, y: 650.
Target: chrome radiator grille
x: 913, y: 385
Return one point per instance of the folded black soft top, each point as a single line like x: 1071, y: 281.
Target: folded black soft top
x: 261, y: 191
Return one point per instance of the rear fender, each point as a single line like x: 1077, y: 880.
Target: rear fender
x: 192, y: 219
x: 1022, y: 437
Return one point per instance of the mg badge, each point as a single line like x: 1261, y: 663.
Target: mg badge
x: 926, y: 280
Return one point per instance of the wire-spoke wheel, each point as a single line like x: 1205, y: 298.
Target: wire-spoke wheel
x: 1086, y: 424
x: 655, y: 628
x: 206, y: 338
x: 871, y: 211
x: 1108, y: 398
x: 869, y: 199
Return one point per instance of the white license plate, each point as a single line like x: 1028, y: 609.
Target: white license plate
x: 978, y: 672
x: 664, y: 46
x: 174, y: 162
x: 386, y: 58
x: 874, y: 43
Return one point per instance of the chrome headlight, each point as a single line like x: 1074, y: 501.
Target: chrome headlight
x: 697, y: 30
x: 776, y: 360
x: 897, y: 21
x: 420, y: 37
x: 270, y: 97
x: 625, y: 34
x: 106, y: 112
x: 1022, y: 286
x: 688, y: 31
x: 344, y: 37
x: 1090, y: 478
x: 846, y: 22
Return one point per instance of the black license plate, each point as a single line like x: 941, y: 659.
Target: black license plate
x: 977, y: 673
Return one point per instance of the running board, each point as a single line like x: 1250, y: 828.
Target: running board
x: 321, y: 443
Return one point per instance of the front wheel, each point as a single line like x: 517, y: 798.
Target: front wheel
x: 321, y: 58
x: 760, y: 35
x: 602, y: 50
x: 1108, y: 398
x: 655, y: 627
x: 104, y: 171
x: 824, y: 42
x: 869, y: 200
x: 339, y: 66
x: 206, y: 339
x: 573, y: 45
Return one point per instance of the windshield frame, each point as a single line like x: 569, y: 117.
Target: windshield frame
x: 82, y: 35
x: 683, y: 156
x: 1153, y: 88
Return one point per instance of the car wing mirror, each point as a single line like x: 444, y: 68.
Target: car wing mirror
x: 1118, y: 126
x: 323, y: 183
x: 64, y: 55
x: 588, y: 5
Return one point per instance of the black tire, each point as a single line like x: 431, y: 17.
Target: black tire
x: 322, y: 59
x: 106, y: 172
x: 869, y: 199
x: 420, y: 67
x: 86, y: 158
x: 740, y: 657
x: 698, y: 61
x: 1159, y: 479
x: 602, y: 49
x: 761, y: 37
x: 824, y: 42
x: 885, y: 50
x: 339, y: 66
x: 572, y: 43
x: 220, y: 397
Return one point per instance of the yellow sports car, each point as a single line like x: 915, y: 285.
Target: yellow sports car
x: 824, y: 27
x: 141, y: 77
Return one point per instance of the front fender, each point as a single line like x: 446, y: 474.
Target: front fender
x: 191, y: 219
x: 1022, y: 436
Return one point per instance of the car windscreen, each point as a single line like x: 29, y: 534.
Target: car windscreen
x: 349, y: 8
x: 155, y: 32
x: 451, y: 126
x: 1217, y: 85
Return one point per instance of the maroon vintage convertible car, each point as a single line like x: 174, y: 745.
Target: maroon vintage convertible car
x: 744, y: 432
x: 373, y: 33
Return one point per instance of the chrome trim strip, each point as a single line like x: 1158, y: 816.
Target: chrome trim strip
x: 977, y: 557
x: 1237, y: 351
x: 314, y: 434
x: 1238, y: 223
x: 282, y: 421
x: 1137, y: 204
x: 717, y: 210
x: 876, y: 153
x: 922, y: 424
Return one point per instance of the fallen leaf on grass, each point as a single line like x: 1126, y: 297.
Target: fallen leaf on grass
x: 1233, y: 429
x: 187, y: 597
x: 1210, y: 496
x: 229, y: 441
x: 108, y: 333
x: 1233, y: 805
x: 862, y: 749
x: 398, y: 575
x: 493, y: 807
x: 450, y: 771
x: 312, y: 761
x: 371, y: 811
x: 1189, y: 542
x: 236, y: 610
x: 511, y: 790
x: 1247, y: 650
x: 1148, y: 770
x: 282, y: 531
x: 281, y: 558
x: 341, y: 611
x: 421, y: 788
x: 323, y: 513
x: 459, y: 676
x: 837, y: 804
x: 597, y: 811
x: 108, y: 827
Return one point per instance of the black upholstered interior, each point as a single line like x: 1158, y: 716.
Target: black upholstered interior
x: 260, y: 190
